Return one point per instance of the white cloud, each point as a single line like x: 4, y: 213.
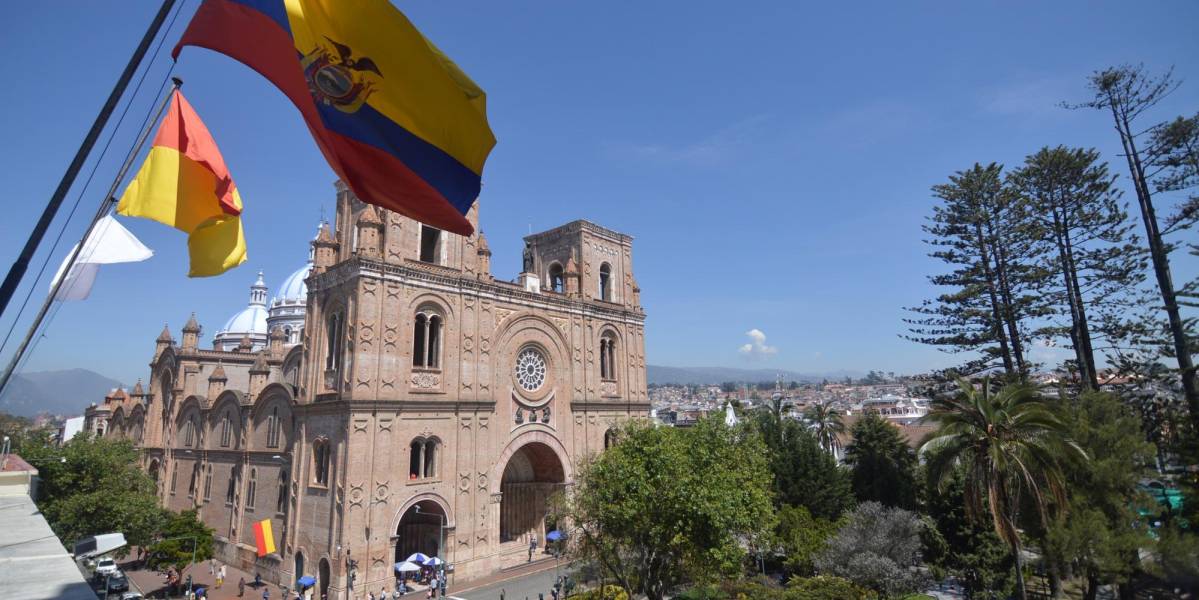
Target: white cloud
x: 757, y: 348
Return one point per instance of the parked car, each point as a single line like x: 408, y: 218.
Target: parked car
x: 105, y: 567
x: 117, y: 582
x: 132, y: 596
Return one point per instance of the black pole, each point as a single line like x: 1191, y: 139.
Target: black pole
x: 109, y: 200
x: 17, y: 271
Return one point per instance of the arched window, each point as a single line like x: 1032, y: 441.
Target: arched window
x: 207, y: 483
x: 431, y: 458
x: 320, y: 462
x: 605, y: 282
x: 188, y: 433
x: 609, y: 438
x: 335, y: 328
x: 555, y: 278
x: 281, y: 496
x: 231, y: 490
x: 608, y: 358
x: 426, y: 340
x: 226, y: 434
x: 287, y: 335
x: 272, y: 428
x: 194, y: 483
x: 422, y: 458
x: 174, y: 475
x: 253, y: 488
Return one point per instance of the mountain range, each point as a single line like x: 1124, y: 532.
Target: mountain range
x: 658, y: 374
x: 67, y: 392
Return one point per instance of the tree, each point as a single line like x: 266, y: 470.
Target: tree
x: 1011, y: 447
x: 1096, y: 535
x: 877, y: 548
x: 824, y: 587
x: 182, y: 534
x: 91, y: 486
x: 1089, y: 250
x: 965, y: 547
x: 803, y: 537
x: 665, y: 503
x: 883, y: 465
x: 1127, y: 92
x: 826, y: 423
x: 993, y: 287
x: 804, y: 473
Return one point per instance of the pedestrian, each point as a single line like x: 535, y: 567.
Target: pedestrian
x: 266, y: 594
x: 429, y: 594
x: 370, y: 596
x: 220, y: 578
x: 532, y: 546
x: 241, y: 587
x: 257, y: 580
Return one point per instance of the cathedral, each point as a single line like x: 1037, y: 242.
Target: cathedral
x: 394, y: 397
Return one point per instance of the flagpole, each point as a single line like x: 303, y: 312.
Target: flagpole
x: 105, y: 205
x: 17, y: 271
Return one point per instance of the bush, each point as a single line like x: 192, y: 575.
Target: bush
x: 878, y: 548
x: 609, y: 592
x: 825, y: 588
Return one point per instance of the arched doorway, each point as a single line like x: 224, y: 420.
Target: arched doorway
x: 530, y: 478
x: 154, y: 470
x: 323, y: 575
x: 420, y: 530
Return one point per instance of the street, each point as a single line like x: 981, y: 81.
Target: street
x: 519, y: 587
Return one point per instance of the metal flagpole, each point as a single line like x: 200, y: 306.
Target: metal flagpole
x: 19, y: 266
x: 109, y: 200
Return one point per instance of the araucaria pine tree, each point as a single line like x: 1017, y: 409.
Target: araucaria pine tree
x: 994, y: 285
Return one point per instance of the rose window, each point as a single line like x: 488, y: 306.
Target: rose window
x: 530, y: 369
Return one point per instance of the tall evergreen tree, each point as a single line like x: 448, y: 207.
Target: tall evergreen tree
x: 994, y: 284
x: 884, y: 466
x: 1088, y: 245
x: 1127, y: 92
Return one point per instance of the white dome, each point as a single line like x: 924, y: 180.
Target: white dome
x: 250, y: 321
x: 293, y: 289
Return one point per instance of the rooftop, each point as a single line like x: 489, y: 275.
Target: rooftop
x: 33, y: 563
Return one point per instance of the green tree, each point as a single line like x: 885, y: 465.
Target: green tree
x: 877, y: 548
x: 91, y: 486
x: 826, y: 423
x: 804, y: 473
x: 1011, y: 447
x: 802, y: 538
x: 1096, y: 535
x: 182, y: 534
x: 665, y: 504
x: 1089, y: 250
x: 824, y: 587
x: 964, y: 547
x: 1126, y: 93
x: 993, y: 289
x: 883, y: 465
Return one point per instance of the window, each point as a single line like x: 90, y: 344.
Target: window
x: 281, y: 498
x: 430, y: 244
x: 320, y: 462
x: 530, y: 369
x: 272, y: 428
x: 253, y: 488
x: 555, y: 278
x: 207, y: 483
x: 609, y: 438
x: 194, y: 483
x: 422, y: 459
x: 605, y: 282
x: 335, y: 328
x: 189, y: 433
x: 608, y: 358
x: 226, y: 434
x: 231, y: 491
x: 426, y: 341
x: 174, y: 475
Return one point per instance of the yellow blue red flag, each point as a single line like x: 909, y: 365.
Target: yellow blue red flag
x: 397, y: 120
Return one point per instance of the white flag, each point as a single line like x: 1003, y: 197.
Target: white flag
x: 108, y: 243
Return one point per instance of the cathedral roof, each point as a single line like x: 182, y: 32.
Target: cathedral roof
x: 165, y: 336
x: 293, y: 290
x: 251, y: 320
x: 218, y: 374
x: 191, y: 326
x: 137, y: 389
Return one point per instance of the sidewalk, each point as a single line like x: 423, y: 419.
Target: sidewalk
x: 153, y: 584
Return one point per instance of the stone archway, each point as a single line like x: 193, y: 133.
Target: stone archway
x: 419, y: 530
x: 531, y: 476
x: 323, y: 578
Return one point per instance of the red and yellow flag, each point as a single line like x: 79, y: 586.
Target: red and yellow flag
x: 184, y: 184
x: 264, y: 538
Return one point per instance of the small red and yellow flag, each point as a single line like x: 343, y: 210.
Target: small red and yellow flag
x: 184, y: 184
x: 264, y: 538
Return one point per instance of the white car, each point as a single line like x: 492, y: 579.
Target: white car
x: 106, y: 566
x: 132, y: 596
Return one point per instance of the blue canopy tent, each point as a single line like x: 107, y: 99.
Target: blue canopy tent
x: 554, y: 535
x: 306, y: 581
x: 433, y: 562
x: 417, y: 558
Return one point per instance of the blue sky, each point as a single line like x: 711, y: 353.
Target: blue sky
x: 771, y: 160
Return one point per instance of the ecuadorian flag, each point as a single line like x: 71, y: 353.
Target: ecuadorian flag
x: 397, y: 120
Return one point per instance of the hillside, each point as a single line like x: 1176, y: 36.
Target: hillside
x: 65, y: 392
x: 657, y: 374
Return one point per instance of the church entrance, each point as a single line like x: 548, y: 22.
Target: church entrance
x: 531, y: 477
x: 420, y: 530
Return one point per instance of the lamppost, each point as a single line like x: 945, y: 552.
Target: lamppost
x: 440, y: 539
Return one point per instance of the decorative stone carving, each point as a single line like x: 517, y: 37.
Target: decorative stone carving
x: 356, y: 495
x: 501, y: 314
x: 426, y: 380
x: 519, y: 416
x: 545, y: 415
x: 463, y: 482
x: 381, y: 492
x: 385, y: 424
x: 608, y: 388
x: 482, y: 479
x: 360, y: 425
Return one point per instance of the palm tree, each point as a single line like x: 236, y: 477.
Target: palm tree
x: 827, y: 424
x: 1008, y: 443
